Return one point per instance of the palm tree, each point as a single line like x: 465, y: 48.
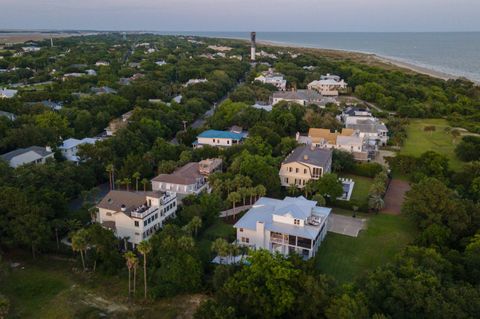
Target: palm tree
x: 243, y: 191
x: 58, y: 224
x: 234, y: 198
x: 111, y: 171
x: 79, y: 243
x: 228, y: 185
x: 220, y: 247
x: 136, y: 177
x: 195, y: 224
x: 145, y: 247
x: 376, y: 203
x: 127, y: 181
x: 292, y: 189
x: 144, y: 183
x: 260, y: 190
x: 73, y: 225
x: 309, y: 188
x: 130, y: 261
x: 252, y: 192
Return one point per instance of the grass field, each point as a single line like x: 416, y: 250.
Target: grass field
x: 418, y: 141
x: 347, y: 258
x: 361, y: 188
x: 52, y: 288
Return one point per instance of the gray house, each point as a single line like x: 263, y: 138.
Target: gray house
x: 29, y: 155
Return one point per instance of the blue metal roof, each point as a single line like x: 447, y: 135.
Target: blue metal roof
x: 222, y: 134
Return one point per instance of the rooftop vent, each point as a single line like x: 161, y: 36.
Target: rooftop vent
x: 123, y: 208
x: 305, y: 157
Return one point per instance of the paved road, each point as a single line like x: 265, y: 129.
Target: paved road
x: 345, y: 225
x: 203, y: 119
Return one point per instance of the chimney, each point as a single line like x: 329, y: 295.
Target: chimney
x: 48, y: 148
x: 305, y: 157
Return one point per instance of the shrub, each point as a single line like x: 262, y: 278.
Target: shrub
x: 366, y: 169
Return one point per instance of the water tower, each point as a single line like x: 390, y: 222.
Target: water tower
x: 253, y: 36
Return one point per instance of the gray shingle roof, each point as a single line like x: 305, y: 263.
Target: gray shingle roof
x: 41, y: 151
x: 308, y: 155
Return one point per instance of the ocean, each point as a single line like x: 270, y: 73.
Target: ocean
x: 455, y: 53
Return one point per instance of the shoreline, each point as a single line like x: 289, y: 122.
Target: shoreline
x: 384, y: 60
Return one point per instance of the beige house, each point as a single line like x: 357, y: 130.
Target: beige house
x: 347, y: 140
x: 304, y: 164
x: 328, y: 85
x: 188, y: 179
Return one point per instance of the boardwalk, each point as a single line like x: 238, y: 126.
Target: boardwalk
x: 229, y: 212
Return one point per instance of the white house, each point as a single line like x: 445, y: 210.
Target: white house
x: 8, y: 115
x: 160, y: 63
x: 270, y: 77
x: 136, y: 216
x: 219, y: 138
x: 31, y: 49
x: 195, y: 81
x: 328, y: 85
x: 188, y: 179
x: 7, y: 94
x: 102, y: 63
x: 291, y: 225
x: 69, y: 148
x: 29, y: 155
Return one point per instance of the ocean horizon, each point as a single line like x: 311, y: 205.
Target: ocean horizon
x: 454, y: 53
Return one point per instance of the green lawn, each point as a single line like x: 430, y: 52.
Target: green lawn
x: 361, y: 187
x: 418, y: 141
x: 347, y: 258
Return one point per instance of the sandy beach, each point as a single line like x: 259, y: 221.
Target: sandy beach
x: 370, y: 59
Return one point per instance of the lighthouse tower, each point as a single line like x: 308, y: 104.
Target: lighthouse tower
x: 253, y: 37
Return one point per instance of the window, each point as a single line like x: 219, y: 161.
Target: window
x: 296, y: 221
x: 296, y: 170
x: 137, y: 223
x: 292, y: 240
x: 247, y: 240
x: 241, y: 230
x: 144, y: 223
x: 228, y: 142
x: 304, y: 242
x: 304, y: 171
x: 286, y: 180
x: 290, y: 169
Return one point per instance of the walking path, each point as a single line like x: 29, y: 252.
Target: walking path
x: 232, y: 212
x: 395, y: 196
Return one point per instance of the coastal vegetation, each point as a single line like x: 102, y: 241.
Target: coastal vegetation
x: 421, y: 263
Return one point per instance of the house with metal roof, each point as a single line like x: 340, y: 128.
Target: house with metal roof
x: 7, y: 93
x: 304, y: 164
x: 69, y: 147
x: 8, y: 115
x: 29, y: 155
x: 135, y: 216
x: 302, y: 97
x: 328, y: 85
x: 291, y: 225
x: 219, y: 138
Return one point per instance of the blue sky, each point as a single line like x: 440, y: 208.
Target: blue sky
x: 242, y: 15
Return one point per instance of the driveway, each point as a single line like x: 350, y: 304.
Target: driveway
x: 345, y: 225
